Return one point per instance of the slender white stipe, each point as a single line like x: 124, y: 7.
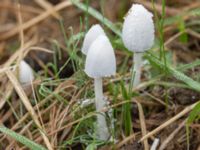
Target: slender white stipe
x: 102, y: 128
x: 137, y: 59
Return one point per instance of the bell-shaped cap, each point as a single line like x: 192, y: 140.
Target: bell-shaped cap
x: 138, y: 29
x: 91, y: 36
x: 25, y: 73
x: 100, y: 60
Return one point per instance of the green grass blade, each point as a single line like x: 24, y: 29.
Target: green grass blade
x: 182, y: 29
x: 195, y: 12
x: 178, y: 75
x: 126, y: 110
x: 175, y: 19
x: 28, y: 143
x: 96, y: 15
x: 194, y: 114
x: 189, y: 66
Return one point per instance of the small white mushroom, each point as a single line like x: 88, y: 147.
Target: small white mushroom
x: 100, y: 62
x: 25, y: 73
x: 91, y: 36
x: 138, y: 35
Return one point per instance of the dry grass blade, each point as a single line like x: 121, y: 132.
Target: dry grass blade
x: 179, y: 115
x: 40, y: 49
x: 23, y: 49
x: 3, y: 70
x: 143, y: 125
x: 46, y: 5
x: 40, y: 104
x: 9, y: 90
x: 28, y: 106
x: 16, y: 54
x: 129, y: 138
x: 193, y: 33
x: 2, y: 102
x: 21, y: 34
x: 35, y: 20
x: 171, y: 136
x: 21, y: 132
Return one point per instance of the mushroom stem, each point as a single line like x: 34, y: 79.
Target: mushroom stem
x: 137, y: 59
x: 102, y: 129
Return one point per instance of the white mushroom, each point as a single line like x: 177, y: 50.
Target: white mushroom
x: 91, y: 36
x: 25, y: 73
x: 100, y: 62
x: 138, y: 35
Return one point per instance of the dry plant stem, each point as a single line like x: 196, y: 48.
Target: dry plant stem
x: 9, y: 90
x: 71, y: 123
x: 137, y: 59
x: 42, y: 113
x: 126, y: 140
x: 57, y: 110
x: 191, y: 6
x: 17, y: 53
x: 157, y: 100
x: 35, y: 20
x: 25, y: 49
x: 179, y: 115
x: 25, y: 8
x: 88, y: 116
x: 66, y: 111
x: 36, y: 103
x: 8, y: 114
x: 193, y: 33
x: 28, y: 106
x: 143, y: 125
x: 40, y: 104
x: 27, y: 114
x: 21, y: 34
x: 171, y: 136
x: 102, y: 129
x: 46, y: 5
x: 3, y: 70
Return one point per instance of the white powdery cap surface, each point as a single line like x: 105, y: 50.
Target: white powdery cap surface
x: 25, y: 73
x: 93, y: 33
x: 100, y: 60
x: 138, y: 29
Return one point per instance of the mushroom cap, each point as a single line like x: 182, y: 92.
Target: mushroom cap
x: 91, y: 36
x: 100, y: 60
x: 138, y: 29
x: 25, y: 73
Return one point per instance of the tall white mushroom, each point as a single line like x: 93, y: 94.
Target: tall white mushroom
x: 25, y: 73
x: 138, y: 35
x: 100, y: 62
x: 91, y: 36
